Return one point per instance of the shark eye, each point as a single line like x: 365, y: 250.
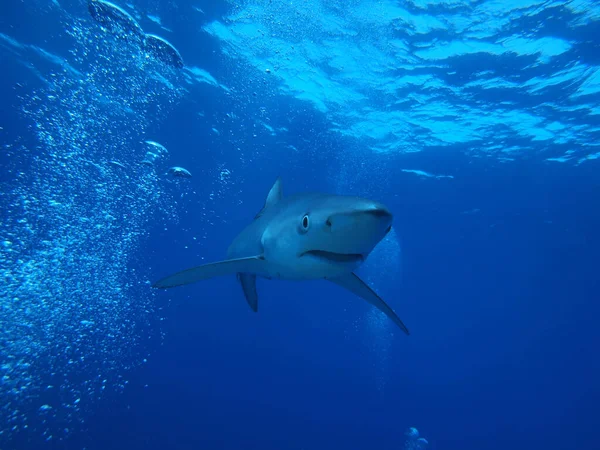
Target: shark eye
x: 305, y: 223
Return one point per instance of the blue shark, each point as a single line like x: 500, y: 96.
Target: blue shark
x: 302, y: 237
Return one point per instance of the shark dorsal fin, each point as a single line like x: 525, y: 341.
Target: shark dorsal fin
x: 275, y: 194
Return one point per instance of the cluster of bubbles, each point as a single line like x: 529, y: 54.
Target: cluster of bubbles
x: 414, y: 441
x: 377, y: 327
x: 75, y: 314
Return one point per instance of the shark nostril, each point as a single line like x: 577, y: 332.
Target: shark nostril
x: 388, y: 229
x: 328, y: 223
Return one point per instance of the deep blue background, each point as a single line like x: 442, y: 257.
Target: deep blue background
x: 502, y: 304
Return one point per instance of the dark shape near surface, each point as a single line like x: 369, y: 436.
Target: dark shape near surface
x: 163, y: 50
x: 115, y: 19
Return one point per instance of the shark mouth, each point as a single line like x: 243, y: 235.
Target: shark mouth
x: 335, y: 257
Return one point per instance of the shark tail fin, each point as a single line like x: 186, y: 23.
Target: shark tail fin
x: 253, y: 264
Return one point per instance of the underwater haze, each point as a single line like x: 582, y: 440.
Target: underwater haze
x: 139, y: 137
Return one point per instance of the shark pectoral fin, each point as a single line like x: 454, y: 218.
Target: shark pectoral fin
x: 254, y: 264
x: 358, y: 287
x: 248, y: 282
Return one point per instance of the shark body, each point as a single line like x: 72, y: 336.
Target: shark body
x: 302, y: 237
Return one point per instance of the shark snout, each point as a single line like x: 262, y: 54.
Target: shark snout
x: 359, y: 228
x: 383, y: 215
x: 380, y: 212
x: 370, y: 214
x: 375, y: 214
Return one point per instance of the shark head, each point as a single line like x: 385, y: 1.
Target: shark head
x: 323, y: 236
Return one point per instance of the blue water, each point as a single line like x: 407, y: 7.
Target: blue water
x: 476, y: 123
